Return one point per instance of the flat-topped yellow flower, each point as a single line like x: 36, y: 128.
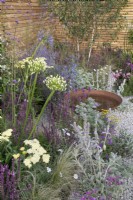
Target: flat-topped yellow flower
x: 16, y: 156
x: 46, y: 158
x: 27, y: 162
x: 22, y: 149
x: 105, y: 112
x: 6, y: 135
x: 55, y: 83
x: 35, y: 153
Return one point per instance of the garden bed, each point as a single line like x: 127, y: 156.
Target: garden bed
x: 52, y: 149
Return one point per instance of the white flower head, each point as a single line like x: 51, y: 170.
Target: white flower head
x: 36, y: 152
x: 56, y: 83
x: 48, y: 169
x: 46, y: 158
x: 27, y: 162
x: 75, y: 176
x: 16, y: 156
x: 2, y: 139
x: 41, y: 151
x: 22, y: 149
x: 33, y: 65
x: 7, y: 133
x: 35, y: 158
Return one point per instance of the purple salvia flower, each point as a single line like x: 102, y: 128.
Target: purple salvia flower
x: 8, y: 183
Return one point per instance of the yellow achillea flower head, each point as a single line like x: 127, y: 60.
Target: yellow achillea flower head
x: 22, y: 149
x: 105, y: 112
x: 6, y: 135
x: 16, y: 156
x: 35, y: 153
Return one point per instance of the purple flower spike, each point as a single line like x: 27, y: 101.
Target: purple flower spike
x: 3, y: 1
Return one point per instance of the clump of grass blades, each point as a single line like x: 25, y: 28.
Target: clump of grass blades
x: 61, y: 182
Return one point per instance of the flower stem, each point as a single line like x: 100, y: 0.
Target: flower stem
x: 43, y: 108
x: 30, y: 99
x: 37, y: 47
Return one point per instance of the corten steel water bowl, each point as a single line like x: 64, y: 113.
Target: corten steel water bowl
x: 105, y: 99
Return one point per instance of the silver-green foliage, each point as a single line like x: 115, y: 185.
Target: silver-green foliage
x: 83, y: 79
x: 92, y: 170
x: 87, y: 111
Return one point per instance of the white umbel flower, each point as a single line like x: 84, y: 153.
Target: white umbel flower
x: 33, y: 65
x: 56, y: 83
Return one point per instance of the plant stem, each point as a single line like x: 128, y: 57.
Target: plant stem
x: 37, y: 47
x: 34, y: 184
x: 92, y: 38
x: 43, y: 108
x: 30, y: 99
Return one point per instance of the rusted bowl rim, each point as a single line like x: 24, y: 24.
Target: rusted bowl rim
x: 106, y: 95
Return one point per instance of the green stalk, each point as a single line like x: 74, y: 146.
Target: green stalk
x: 30, y: 99
x: 37, y: 47
x: 43, y: 108
x: 13, y: 96
x: 13, y: 93
x: 34, y: 184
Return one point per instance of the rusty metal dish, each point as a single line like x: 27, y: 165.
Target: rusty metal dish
x: 105, y: 99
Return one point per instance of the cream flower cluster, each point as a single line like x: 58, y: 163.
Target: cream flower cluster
x: 6, y: 135
x: 36, y: 153
x: 55, y: 83
x: 34, y: 65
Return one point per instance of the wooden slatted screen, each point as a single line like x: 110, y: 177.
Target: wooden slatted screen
x: 21, y: 20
